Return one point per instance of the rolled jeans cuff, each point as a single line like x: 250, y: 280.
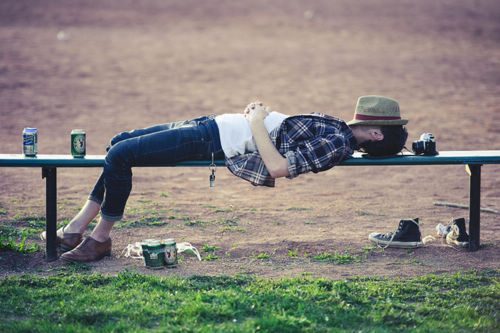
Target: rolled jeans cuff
x: 95, y: 199
x: 104, y: 216
x: 111, y: 218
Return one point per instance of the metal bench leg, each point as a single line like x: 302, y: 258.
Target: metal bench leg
x: 474, y: 206
x: 50, y: 175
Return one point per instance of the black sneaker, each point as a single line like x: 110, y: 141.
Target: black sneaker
x: 407, y: 236
x: 458, y: 235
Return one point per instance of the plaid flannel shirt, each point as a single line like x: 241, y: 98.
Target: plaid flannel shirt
x: 314, y: 142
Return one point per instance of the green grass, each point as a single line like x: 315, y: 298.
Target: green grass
x: 210, y: 257
x: 337, y: 258
x: 210, y: 248
x: 211, y: 252
x: 223, y: 210
x: 232, y: 228
x: 14, y: 234
x: 21, y: 226
x: 196, y: 223
x: 292, y: 208
x: 152, y: 221
x: 10, y: 244
x: 262, y: 255
x: 461, y: 302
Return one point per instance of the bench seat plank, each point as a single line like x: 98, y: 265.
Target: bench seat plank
x: 444, y: 157
x: 19, y: 160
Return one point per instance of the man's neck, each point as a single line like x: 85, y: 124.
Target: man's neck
x: 356, y: 131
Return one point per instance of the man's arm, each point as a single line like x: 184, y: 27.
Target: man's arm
x: 275, y: 163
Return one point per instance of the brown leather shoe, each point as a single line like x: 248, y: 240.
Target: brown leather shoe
x: 88, y: 250
x: 67, y: 241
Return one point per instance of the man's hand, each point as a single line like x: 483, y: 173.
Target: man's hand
x: 256, y: 111
x: 276, y: 164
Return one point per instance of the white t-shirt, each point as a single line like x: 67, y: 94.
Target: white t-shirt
x: 235, y: 133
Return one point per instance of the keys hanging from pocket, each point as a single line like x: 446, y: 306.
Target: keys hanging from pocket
x: 212, y: 178
x: 212, y: 174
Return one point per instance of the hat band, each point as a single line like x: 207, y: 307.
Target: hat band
x: 365, y: 117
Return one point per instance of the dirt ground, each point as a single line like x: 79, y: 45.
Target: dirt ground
x: 114, y: 65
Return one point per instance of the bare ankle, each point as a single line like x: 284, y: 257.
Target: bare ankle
x: 86, y: 215
x: 75, y: 228
x: 100, y: 238
x: 102, y: 230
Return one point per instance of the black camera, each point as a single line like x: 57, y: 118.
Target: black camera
x: 425, y: 146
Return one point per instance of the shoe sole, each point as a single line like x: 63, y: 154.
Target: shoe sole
x: 400, y: 245
x: 97, y: 259
x: 65, y: 248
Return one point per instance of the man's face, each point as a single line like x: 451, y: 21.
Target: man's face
x: 371, y: 133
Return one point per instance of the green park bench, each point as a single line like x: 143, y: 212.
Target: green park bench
x: 49, y: 164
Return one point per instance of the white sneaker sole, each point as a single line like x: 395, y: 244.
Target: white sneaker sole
x: 397, y: 244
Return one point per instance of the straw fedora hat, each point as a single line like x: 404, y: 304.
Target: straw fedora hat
x: 377, y: 110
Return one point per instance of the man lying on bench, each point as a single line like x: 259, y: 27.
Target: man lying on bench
x: 257, y: 145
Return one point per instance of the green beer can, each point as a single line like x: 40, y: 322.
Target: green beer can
x: 170, y: 248
x: 154, y: 253
x: 78, y: 143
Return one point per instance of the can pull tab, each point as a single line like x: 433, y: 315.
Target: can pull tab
x: 212, y: 174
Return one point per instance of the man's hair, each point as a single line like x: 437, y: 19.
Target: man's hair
x: 393, y: 142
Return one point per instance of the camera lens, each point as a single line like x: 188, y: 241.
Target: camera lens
x: 418, y: 147
x: 425, y: 146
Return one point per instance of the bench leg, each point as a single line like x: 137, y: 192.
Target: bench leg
x: 474, y: 206
x: 50, y: 175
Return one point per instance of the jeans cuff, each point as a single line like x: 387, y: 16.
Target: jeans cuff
x: 111, y: 218
x: 95, y: 199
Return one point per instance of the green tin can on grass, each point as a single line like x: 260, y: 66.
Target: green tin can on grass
x: 153, y: 252
x: 170, y: 248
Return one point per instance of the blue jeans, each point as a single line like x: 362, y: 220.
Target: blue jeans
x: 163, y: 144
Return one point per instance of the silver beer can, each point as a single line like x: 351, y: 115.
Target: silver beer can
x: 30, y: 141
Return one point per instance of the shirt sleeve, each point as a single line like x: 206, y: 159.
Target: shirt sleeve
x: 250, y: 167
x: 318, y: 154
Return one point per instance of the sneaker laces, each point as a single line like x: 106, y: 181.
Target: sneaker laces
x: 392, y: 234
x: 443, y: 230
x: 448, y: 233
x: 453, y: 234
